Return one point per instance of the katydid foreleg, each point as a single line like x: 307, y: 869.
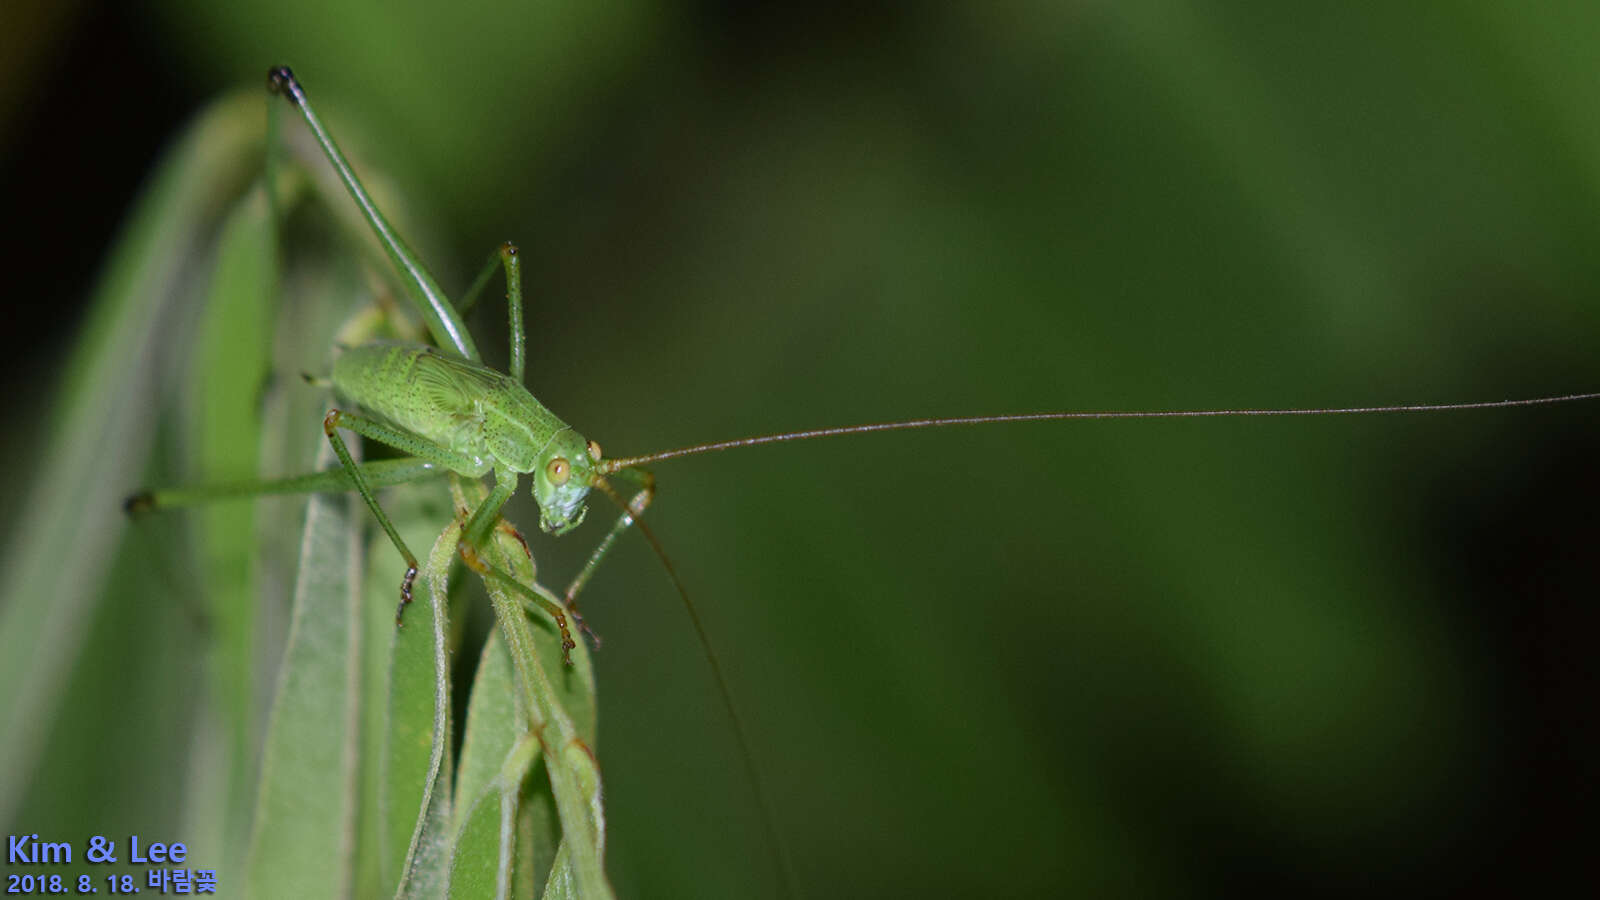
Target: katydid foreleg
x: 481, y: 522
x: 475, y: 534
x: 534, y: 596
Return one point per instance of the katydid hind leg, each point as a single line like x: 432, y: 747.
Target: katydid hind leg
x: 441, y: 317
x: 377, y: 473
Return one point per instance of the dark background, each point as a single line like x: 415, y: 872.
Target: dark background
x: 1174, y: 658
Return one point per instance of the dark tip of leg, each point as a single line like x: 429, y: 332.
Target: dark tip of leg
x: 508, y: 527
x: 472, y: 559
x: 508, y: 248
x: 139, y: 503
x: 594, y: 639
x: 566, y: 639
x: 279, y: 78
x: 405, y: 593
x: 584, y: 746
x: 282, y: 81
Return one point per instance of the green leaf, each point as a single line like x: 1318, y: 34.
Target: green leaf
x: 495, y: 721
x: 538, y: 833
x: 569, y: 760
x: 418, y: 773
x: 485, y: 857
x: 563, y: 882
x: 51, y: 595
x: 574, y: 778
x: 231, y: 358
x: 305, y: 818
x: 342, y: 782
x: 480, y: 865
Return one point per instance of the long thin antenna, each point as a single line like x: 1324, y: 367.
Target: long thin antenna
x: 613, y: 465
x: 780, y: 850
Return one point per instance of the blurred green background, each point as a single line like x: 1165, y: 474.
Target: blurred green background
x: 1180, y: 658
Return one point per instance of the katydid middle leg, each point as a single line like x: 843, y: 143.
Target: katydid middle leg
x: 632, y: 509
x: 505, y: 256
x: 422, y: 449
x: 331, y: 423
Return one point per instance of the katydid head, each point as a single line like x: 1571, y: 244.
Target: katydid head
x: 562, y: 481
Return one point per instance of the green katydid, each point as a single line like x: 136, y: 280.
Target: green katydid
x: 449, y: 412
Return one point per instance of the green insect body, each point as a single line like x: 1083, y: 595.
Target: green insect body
x: 474, y: 420
x: 446, y: 411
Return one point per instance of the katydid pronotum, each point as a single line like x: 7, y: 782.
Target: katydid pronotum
x: 564, y: 465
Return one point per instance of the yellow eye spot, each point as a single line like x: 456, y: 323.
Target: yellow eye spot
x: 559, y: 470
x: 594, y: 451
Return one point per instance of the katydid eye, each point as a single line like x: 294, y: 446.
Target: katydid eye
x: 594, y: 450
x: 559, y: 470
